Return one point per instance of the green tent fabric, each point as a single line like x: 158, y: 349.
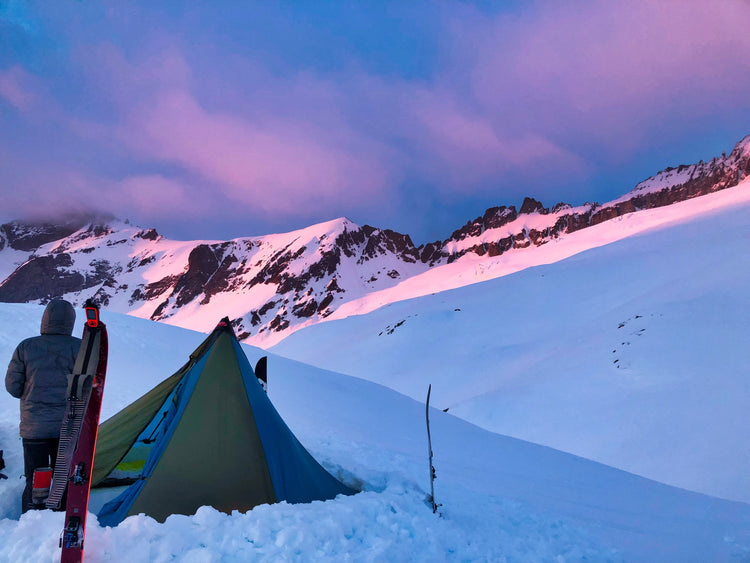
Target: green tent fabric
x: 208, y: 435
x: 118, y: 433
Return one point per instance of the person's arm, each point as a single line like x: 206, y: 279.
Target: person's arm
x: 15, y: 378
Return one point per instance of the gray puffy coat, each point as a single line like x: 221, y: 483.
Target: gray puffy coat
x: 38, y: 372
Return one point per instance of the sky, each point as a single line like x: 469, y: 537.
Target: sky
x: 215, y: 120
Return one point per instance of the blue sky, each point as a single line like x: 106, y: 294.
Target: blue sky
x: 226, y: 119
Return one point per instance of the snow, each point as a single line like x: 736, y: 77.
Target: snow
x: 12, y: 259
x: 503, y: 499
x: 471, y: 268
x: 633, y: 353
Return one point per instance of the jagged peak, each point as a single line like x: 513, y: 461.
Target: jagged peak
x: 561, y: 206
x: 742, y: 148
x: 531, y: 205
x: 672, y: 176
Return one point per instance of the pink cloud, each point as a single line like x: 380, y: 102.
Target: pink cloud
x: 55, y: 188
x: 513, y: 100
x: 276, y: 166
x: 34, y: 191
x: 153, y: 196
x: 610, y: 70
x: 15, y: 88
x: 268, y: 154
x: 466, y: 146
x: 303, y: 141
x: 298, y: 143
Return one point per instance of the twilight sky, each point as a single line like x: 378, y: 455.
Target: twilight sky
x: 219, y: 119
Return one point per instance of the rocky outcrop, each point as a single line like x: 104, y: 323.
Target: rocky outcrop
x: 665, y: 188
x: 27, y: 237
x: 42, y: 278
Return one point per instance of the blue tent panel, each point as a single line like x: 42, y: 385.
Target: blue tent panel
x: 295, y: 474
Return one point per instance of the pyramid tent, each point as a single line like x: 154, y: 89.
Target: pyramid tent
x: 207, y: 435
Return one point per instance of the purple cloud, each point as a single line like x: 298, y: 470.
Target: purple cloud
x: 603, y: 73
x: 155, y: 111
x: 275, y: 163
x: 15, y: 88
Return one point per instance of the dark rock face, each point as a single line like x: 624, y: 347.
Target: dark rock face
x: 493, y: 218
x: 150, y: 234
x: 327, y: 300
x: 42, y: 278
x: 530, y: 205
x: 202, y: 263
x: 379, y: 242
x: 305, y: 309
x: 27, y: 237
x: 431, y: 253
x: 157, y: 288
x: 221, y: 280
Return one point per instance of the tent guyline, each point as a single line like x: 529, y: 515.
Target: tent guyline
x: 207, y: 435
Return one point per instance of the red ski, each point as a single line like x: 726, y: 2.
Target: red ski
x: 78, y: 436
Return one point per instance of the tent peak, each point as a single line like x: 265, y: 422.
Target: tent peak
x: 225, y: 324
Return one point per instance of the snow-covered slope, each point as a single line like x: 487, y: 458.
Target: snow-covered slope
x: 275, y: 284
x: 503, y: 499
x: 634, y: 353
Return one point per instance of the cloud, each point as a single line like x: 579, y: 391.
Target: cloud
x: 154, y: 196
x: 303, y: 141
x: 597, y: 72
x: 56, y: 189
x: 460, y: 146
x: 265, y: 154
x: 522, y: 101
x: 16, y: 89
x: 276, y: 166
x: 33, y: 191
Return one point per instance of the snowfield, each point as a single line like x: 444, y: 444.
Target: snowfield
x: 503, y: 499
x: 633, y: 353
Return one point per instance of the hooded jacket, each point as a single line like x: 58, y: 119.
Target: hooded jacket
x: 38, y: 372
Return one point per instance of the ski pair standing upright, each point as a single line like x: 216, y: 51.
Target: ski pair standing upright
x: 75, y: 457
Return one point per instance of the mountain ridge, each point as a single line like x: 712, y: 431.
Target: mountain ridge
x: 281, y: 282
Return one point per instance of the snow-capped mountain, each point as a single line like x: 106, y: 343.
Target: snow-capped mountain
x: 266, y: 283
x: 273, y: 285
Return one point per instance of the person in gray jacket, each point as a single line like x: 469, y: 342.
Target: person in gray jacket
x: 38, y: 375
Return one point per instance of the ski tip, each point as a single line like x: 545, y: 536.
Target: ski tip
x: 92, y: 314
